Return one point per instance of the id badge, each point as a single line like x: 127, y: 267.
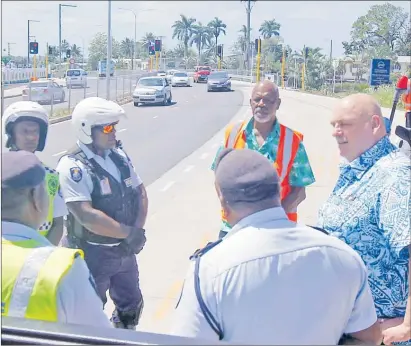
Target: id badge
x: 105, y: 186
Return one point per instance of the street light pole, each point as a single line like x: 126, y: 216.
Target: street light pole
x: 249, y: 7
x: 28, y: 39
x: 108, y: 64
x: 60, y: 6
x: 135, y: 35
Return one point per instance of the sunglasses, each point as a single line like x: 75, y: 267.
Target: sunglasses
x: 106, y: 129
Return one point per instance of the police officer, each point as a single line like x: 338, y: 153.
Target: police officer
x: 25, y: 125
x: 107, y: 206
x: 39, y: 281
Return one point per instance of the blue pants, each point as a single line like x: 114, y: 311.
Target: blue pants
x: 114, y: 272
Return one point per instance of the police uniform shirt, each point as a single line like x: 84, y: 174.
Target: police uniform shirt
x: 77, y: 299
x: 273, y: 282
x: 75, y: 182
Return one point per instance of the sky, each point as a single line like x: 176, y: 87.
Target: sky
x: 311, y: 23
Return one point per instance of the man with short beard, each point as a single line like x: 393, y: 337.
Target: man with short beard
x: 279, y: 144
x: 369, y: 209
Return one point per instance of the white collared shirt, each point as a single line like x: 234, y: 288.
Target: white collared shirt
x: 79, y: 190
x: 271, y: 281
x: 77, y: 300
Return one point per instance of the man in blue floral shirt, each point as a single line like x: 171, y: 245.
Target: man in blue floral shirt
x: 369, y: 209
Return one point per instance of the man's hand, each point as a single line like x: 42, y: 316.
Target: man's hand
x: 135, y: 241
x: 395, y: 330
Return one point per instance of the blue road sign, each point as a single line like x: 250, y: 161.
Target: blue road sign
x: 380, y: 71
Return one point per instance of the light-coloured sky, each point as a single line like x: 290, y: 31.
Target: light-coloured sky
x: 313, y: 23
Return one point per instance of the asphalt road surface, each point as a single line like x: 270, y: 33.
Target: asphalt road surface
x: 158, y: 137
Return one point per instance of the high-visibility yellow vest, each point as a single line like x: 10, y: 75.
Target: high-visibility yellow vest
x: 52, y: 185
x: 30, y: 278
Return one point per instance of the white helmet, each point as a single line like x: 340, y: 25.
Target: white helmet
x: 25, y: 110
x: 94, y: 111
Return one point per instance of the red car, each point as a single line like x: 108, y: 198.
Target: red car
x: 201, y: 74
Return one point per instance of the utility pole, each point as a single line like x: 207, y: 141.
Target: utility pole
x: 331, y: 51
x: 28, y: 39
x: 109, y: 42
x: 248, y: 33
x: 60, y: 7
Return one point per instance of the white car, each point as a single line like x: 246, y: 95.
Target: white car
x: 76, y: 77
x: 152, y: 90
x: 43, y: 92
x: 161, y: 74
x: 180, y: 79
x: 170, y: 74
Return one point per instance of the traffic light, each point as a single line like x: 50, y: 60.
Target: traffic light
x: 286, y: 53
x: 151, y: 50
x: 220, y: 51
x: 68, y: 53
x: 306, y: 52
x: 256, y: 44
x: 34, y: 48
x: 157, y: 45
x: 50, y: 50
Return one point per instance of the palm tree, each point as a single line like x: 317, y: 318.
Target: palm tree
x: 269, y: 28
x: 127, y: 48
x: 64, y: 45
x: 217, y: 27
x: 180, y: 51
x: 146, y: 39
x: 183, y: 30
x: 201, y: 37
x: 75, y: 50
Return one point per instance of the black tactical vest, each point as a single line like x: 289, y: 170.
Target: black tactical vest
x: 120, y: 204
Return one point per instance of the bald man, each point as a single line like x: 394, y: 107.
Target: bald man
x: 369, y: 208
x: 282, y: 146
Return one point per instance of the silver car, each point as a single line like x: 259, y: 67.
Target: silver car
x: 152, y: 90
x: 219, y: 81
x: 44, y: 92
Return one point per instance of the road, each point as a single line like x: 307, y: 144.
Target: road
x: 150, y: 131
x: 119, y: 86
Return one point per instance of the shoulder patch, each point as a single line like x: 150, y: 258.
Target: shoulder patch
x: 76, y: 174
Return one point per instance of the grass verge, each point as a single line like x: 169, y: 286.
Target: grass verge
x: 384, y: 94
x: 63, y: 112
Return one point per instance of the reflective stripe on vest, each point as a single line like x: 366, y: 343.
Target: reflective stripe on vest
x: 287, y: 150
x: 30, y: 279
x: 52, y: 186
x: 287, y: 147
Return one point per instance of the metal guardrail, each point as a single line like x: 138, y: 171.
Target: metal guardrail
x: 18, y: 331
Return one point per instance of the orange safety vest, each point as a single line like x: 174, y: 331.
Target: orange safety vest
x: 287, y: 151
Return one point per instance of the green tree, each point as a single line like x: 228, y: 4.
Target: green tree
x: 127, y: 48
x: 201, y: 37
x: 217, y: 28
x: 98, y: 49
x: 270, y: 28
x: 382, y: 25
x: 183, y: 30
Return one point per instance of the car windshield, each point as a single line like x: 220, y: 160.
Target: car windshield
x: 180, y: 74
x: 161, y: 72
x: 204, y: 69
x: 151, y: 82
x: 218, y: 75
x: 40, y: 85
x: 72, y: 73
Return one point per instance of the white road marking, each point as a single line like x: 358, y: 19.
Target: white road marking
x: 155, y: 117
x: 203, y: 156
x: 188, y: 168
x: 60, y: 153
x: 121, y: 130
x: 167, y: 186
